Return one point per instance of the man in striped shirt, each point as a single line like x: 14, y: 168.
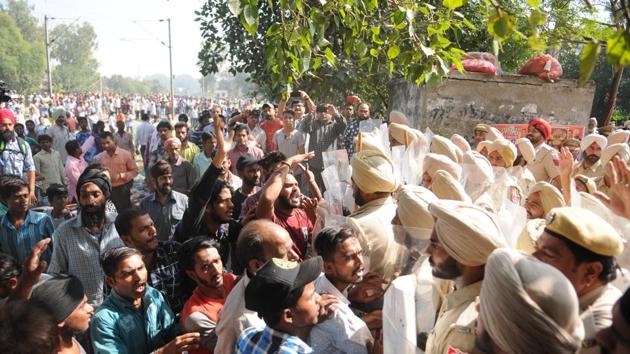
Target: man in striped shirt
x: 21, y: 228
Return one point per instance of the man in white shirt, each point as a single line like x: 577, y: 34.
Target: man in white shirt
x: 258, y: 242
x: 343, y: 332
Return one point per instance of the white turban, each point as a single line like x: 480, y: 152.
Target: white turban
x: 527, y: 149
x: 494, y: 134
x: 398, y: 117
x: 460, y: 142
x: 478, y: 173
x: 468, y: 233
x: 527, y: 306
x: 550, y: 196
x: 618, y: 137
x: 622, y: 149
x: 434, y: 162
x: 441, y: 145
x: 444, y: 186
x: 593, y: 138
x: 413, y: 209
x: 373, y: 171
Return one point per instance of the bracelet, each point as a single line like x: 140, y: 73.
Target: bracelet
x: 286, y: 163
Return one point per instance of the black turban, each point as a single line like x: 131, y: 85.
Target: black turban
x: 95, y: 175
x: 61, y: 295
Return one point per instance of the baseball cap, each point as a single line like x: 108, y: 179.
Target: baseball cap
x: 272, y: 285
x: 245, y: 161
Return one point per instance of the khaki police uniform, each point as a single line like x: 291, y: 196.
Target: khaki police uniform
x: 456, y: 323
x: 596, y: 314
x: 373, y: 224
x: 595, y: 172
x: 596, y: 235
x: 543, y: 167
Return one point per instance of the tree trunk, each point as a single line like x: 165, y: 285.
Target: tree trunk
x: 612, y: 96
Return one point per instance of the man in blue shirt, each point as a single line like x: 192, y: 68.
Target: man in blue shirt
x: 283, y: 294
x: 16, y: 157
x: 135, y: 318
x: 21, y: 228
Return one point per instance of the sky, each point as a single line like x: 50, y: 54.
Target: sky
x: 129, y: 33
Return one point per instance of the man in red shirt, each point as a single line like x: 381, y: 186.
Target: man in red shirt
x: 270, y: 125
x: 282, y: 202
x: 200, y: 259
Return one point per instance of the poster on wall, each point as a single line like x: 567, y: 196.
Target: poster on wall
x: 559, y: 133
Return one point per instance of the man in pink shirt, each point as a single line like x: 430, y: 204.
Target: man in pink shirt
x: 243, y: 146
x: 122, y: 169
x: 270, y: 125
x: 75, y: 164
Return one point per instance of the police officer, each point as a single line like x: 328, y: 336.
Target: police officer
x: 583, y: 247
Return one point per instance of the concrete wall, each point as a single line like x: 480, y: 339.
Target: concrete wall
x: 460, y: 102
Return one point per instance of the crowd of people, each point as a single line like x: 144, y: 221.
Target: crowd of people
x: 304, y: 228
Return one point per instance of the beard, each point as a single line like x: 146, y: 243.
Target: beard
x: 446, y: 270
x: 92, y: 215
x: 7, y: 136
x: 533, y: 139
x: 165, y: 190
x: 591, y: 158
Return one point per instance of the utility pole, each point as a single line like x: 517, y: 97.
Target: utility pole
x: 170, y: 59
x: 48, y: 55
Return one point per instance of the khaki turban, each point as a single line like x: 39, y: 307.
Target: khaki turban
x: 531, y: 232
x: 483, y: 144
x: 612, y: 150
x: 460, y: 142
x: 506, y: 149
x: 590, y: 184
x: 482, y: 127
x: 172, y: 142
x: 593, y: 138
x: 413, y: 208
x: 441, y: 145
x: 527, y: 306
x: 398, y: 118
x: 373, y: 171
x: 444, y: 186
x: 619, y: 137
x: 550, y: 196
x: 468, y: 233
x: 369, y: 142
x: 527, y: 149
x: 494, y: 134
x: 399, y: 131
x: 435, y: 162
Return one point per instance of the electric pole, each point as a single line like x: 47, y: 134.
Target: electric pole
x: 170, y: 59
x: 48, y: 56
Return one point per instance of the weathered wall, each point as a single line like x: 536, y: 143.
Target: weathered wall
x: 463, y: 100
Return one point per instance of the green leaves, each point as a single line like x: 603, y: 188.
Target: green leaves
x: 393, y: 52
x: 371, y: 4
x: 618, y: 48
x: 453, y: 4
x: 535, y: 4
x: 588, y: 58
x: 501, y: 25
x: 330, y: 56
x: 249, y: 19
x: 234, y: 6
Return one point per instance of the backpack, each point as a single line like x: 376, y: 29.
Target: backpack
x: 21, y: 144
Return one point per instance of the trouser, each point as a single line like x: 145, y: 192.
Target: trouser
x: 121, y: 196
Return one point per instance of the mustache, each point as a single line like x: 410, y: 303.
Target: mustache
x: 92, y: 215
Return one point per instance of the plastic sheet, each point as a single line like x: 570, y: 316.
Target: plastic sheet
x: 399, y: 317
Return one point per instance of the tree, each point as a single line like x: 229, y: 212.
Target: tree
x: 21, y: 48
x: 126, y: 85
x: 73, y: 49
x: 301, y: 42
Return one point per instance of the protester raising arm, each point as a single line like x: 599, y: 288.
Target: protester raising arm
x: 271, y: 190
x: 566, y: 166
